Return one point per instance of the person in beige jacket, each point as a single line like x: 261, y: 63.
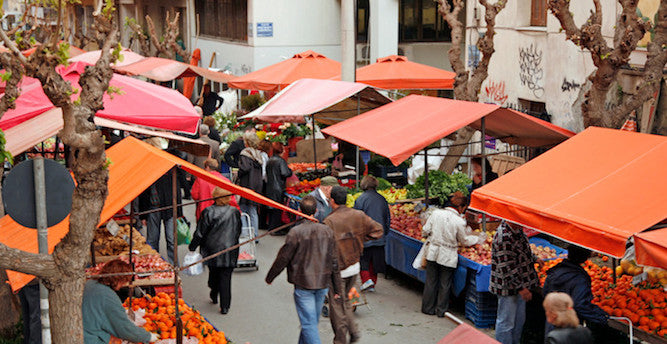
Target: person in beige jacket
x: 444, y: 230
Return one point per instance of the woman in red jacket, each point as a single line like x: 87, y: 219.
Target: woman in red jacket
x: 202, y: 189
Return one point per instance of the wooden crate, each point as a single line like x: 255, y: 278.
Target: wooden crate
x: 503, y: 163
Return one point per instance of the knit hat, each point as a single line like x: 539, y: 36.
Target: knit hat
x: 329, y: 181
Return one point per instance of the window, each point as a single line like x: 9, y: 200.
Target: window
x: 538, y: 13
x: 363, y: 10
x: 227, y: 19
x: 419, y: 21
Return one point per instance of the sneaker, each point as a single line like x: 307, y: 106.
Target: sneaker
x: 325, y: 311
x: 367, y: 284
x: 371, y: 290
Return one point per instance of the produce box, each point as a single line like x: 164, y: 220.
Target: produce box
x: 387, y: 172
x: 481, y: 319
x: 560, y: 252
x: 400, y: 251
x: 482, y: 273
x: 480, y: 306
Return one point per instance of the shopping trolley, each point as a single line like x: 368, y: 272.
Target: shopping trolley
x: 247, y: 252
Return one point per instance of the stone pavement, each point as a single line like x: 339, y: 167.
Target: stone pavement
x: 265, y: 314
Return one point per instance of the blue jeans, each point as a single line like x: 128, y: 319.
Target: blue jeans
x: 308, y: 307
x: 251, y: 210
x: 153, y: 234
x: 510, y: 320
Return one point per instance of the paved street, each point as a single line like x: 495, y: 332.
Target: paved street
x: 265, y: 314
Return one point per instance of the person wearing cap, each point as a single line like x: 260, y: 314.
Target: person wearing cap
x: 322, y: 194
x: 218, y: 228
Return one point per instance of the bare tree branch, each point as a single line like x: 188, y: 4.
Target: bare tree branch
x: 138, y: 34
x: 154, y: 37
x: 41, y: 265
x: 12, y: 92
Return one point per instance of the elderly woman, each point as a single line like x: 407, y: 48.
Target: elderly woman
x: 376, y: 207
x: 250, y: 176
x: 219, y: 227
x: 103, y: 313
x: 444, y: 230
x: 558, y: 308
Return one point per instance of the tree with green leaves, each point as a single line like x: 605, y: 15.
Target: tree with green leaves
x: 63, y: 271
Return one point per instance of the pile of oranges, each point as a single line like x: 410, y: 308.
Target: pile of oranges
x: 160, y: 319
x: 645, y: 303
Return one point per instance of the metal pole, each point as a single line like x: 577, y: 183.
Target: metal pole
x: 42, y: 240
x: 483, y: 151
x: 356, y: 168
x: 314, y: 143
x: 131, y: 244
x: 174, y: 214
x: 426, y: 176
x: 614, y: 263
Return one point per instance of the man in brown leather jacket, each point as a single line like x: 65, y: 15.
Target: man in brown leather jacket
x: 351, y: 229
x: 311, y: 259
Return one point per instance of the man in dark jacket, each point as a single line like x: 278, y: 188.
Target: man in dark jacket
x: 351, y: 229
x: 233, y: 152
x: 570, y: 277
x: 211, y: 101
x: 321, y: 194
x: 277, y: 173
x: 311, y: 259
x: 218, y: 228
x: 376, y: 207
x: 156, y: 196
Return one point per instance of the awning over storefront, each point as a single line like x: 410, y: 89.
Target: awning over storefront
x: 160, y: 69
x: 138, y: 103
x: 596, y: 189
x: 651, y: 248
x: 135, y: 165
x: 396, y: 72
x: 276, y: 77
x: 330, y: 101
x: 402, y: 128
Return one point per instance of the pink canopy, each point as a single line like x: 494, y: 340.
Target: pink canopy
x: 331, y: 101
x: 139, y: 103
x: 91, y: 57
x: 157, y: 68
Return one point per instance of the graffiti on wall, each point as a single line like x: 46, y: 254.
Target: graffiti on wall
x: 530, y: 69
x: 495, y: 92
x: 569, y: 85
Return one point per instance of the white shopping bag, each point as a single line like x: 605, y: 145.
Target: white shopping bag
x: 196, y: 269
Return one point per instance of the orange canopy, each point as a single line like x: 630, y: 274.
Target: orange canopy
x: 596, y: 189
x: 651, y: 248
x: 160, y: 69
x: 402, y: 128
x: 396, y: 72
x: 307, y: 64
x: 135, y: 165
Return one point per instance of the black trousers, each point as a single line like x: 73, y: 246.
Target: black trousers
x: 275, y: 218
x: 32, y: 323
x: 220, y: 282
x: 437, y: 288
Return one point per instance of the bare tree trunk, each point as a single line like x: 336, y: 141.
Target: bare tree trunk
x: 467, y: 84
x: 65, y: 310
x: 609, y: 60
x: 10, y: 314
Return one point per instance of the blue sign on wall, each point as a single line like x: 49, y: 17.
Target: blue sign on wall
x: 264, y: 29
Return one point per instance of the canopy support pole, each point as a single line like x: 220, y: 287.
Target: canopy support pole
x: 314, y: 143
x: 174, y: 214
x: 614, y: 263
x: 426, y: 176
x: 356, y: 167
x: 132, y: 222
x: 483, y: 151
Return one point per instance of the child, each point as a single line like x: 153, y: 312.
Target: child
x: 560, y: 313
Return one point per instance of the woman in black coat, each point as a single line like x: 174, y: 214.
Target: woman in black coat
x: 219, y: 227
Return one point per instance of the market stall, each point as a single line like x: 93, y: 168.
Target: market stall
x: 161, y: 69
x: 582, y: 192
x: 396, y: 72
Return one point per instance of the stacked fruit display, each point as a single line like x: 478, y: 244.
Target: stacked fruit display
x: 405, y: 219
x: 303, y: 187
x: 107, y: 244
x: 302, y: 167
x: 142, y: 263
x: 160, y: 319
x: 480, y: 253
x: 391, y: 195
x: 543, y: 252
x: 644, y: 303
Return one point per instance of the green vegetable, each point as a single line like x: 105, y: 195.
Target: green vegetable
x: 383, y: 184
x: 441, y: 185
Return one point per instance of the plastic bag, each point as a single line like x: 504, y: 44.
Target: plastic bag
x: 183, y: 232
x: 420, y: 261
x: 196, y: 269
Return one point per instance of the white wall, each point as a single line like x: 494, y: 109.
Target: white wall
x: 538, y: 64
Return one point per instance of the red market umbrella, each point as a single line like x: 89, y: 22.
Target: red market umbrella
x: 396, y: 72
x: 276, y: 77
x: 140, y: 103
x: 157, y: 68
